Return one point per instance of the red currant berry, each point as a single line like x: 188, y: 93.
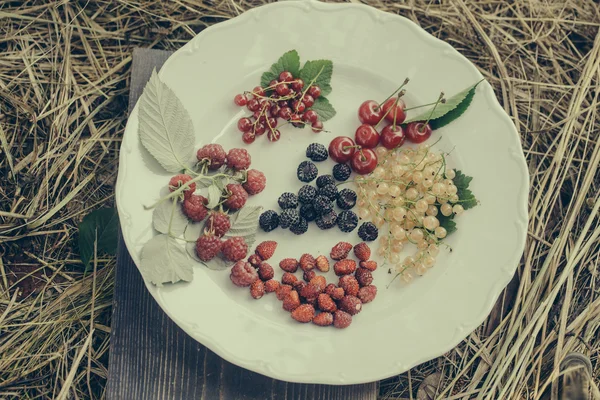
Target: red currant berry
x: 392, y: 137
x: 240, y: 100
x: 285, y: 113
x: 260, y: 128
x: 274, y: 135
x: 273, y: 83
x: 369, y: 112
x: 308, y: 101
x: 248, y: 137
x: 258, y: 91
x: 366, y: 136
x: 298, y: 106
x: 283, y: 89
x: 392, y: 110
x: 282, y: 103
x: 286, y: 76
x: 314, y: 91
x: 297, y: 85
x: 244, y: 124
x: 311, y: 116
x: 274, y: 111
x: 317, y: 126
x: 418, y: 132
x: 364, y: 161
x: 271, y: 123
x: 257, y: 114
x: 253, y: 105
x: 341, y: 149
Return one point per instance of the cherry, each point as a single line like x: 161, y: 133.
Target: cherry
x: 317, y: 126
x: 286, y: 76
x: 240, y: 100
x: 314, y: 91
x: 366, y: 136
x: 285, y: 113
x: 253, y: 105
x: 311, y: 116
x: 297, y: 85
x: 392, y: 137
x: 418, y: 132
x: 260, y: 128
x: 283, y: 89
x: 364, y: 161
x: 298, y: 106
x: 248, y: 137
x: 258, y: 91
x: 274, y: 135
x: 395, y: 110
x: 369, y: 112
x: 244, y: 124
x: 308, y: 100
x: 341, y: 149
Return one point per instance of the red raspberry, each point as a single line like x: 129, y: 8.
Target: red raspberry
x: 349, y: 284
x: 237, y: 196
x: 350, y: 304
x: 179, y: 180
x: 218, y: 222
x: 323, y: 319
x: 288, y: 278
x: 243, y: 274
x: 344, y: 267
x: 194, y: 207
x: 257, y: 289
x: 271, y: 286
x: 235, y: 248
x: 266, y: 249
x: 308, y: 275
x: 289, y: 265
x: 304, y: 313
x: 238, y: 159
x: 340, y: 251
x: 370, y: 265
x: 255, y: 182
x: 282, y: 291
x: 265, y: 271
x: 307, y: 262
x: 362, y: 251
x: 254, y: 260
x: 341, y: 319
x: 291, y: 301
x: 363, y: 276
x: 212, y: 155
x: 207, y: 247
x: 322, y: 263
x: 326, y: 303
x: 319, y: 281
x: 367, y: 293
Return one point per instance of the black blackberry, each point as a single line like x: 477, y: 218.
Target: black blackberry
x: 288, y: 200
x: 289, y: 217
x: 329, y: 191
x: 347, y: 221
x: 322, y: 205
x: 325, y: 180
x: 316, y: 152
x: 327, y: 221
x: 268, y: 220
x: 307, y: 171
x: 299, y: 228
x: 307, y: 211
x: 368, y: 232
x: 341, y: 172
x: 307, y: 194
x: 346, y: 199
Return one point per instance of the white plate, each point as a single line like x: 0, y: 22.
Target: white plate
x: 372, y: 53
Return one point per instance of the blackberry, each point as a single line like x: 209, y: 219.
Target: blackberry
x: 325, y: 180
x: 288, y: 200
x: 299, y: 228
x: 289, y: 217
x: 307, y: 171
x: 316, y: 152
x: 268, y: 220
x: 329, y: 191
x: 307, y: 211
x: 341, y: 172
x: 307, y: 194
x: 346, y: 199
x: 322, y: 205
x: 347, y: 221
x: 327, y: 221
x: 368, y: 232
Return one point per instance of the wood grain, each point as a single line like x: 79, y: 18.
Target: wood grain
x: 151, y: 358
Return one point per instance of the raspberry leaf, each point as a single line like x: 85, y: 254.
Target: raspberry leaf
x: 465, y: 195
x: 320, y: 71
x: 204, y: 182
x: 165, y: 260
x: 166, y: 129
x: 289, y: 61
x: 169, y: 213
x: 100, y: 226
x: 244, y: 223
x: 323, y: 108
x: 214, y: 195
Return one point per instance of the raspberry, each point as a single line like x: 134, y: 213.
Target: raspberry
x: 235, y: 248
x: 265, y: 271
x: 349, y: 284
x: 179, y: 180
x: 347, y: 221
x: 323, y: 319
x: 320, y: 281
x: 362, y: 251
x: 329, y: 191
x: 208, y: 246
x: 307, y: 262
x: 212, y: 155
x: 350, y: 304
x: 219, y: 223
x: 254, y: 260
x: 268, y: 221
x: 237, y: 196
x: 307, y: 171
x: 243, y: 274
x: 327, y: 221
x: 257, y: 289
x: 346, y: 199
x: 304, y: 313
x: 300, y: 228
x: 322, y: 205
x: 340, y: 251
x: 289, y: 217
x: 341, y: 172
x: 255, y: 182
x: 291, y: 301
x: 307, y: 211
x: 344, y: 267
x: 271, y: 286
x: 266, y: 249
x: 282, y: 291
x: 288, y: 278
x: 364, y: 277
x: 370, y: 265
x: 367, y: 293
x: 194, y: 207
x: 288, y: 200
x: 310, y: 291
x: 341, y: 319
x: 368, y: 232
x: 316, y: 152
x: 322, y: 263
x: 324, y: 180
x: 326, y: 303
x: 289, y: 265
x: 307, y: 194
x: 308, y: 275
x: 238, y: 159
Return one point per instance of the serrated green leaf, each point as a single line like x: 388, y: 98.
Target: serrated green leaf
x: 244, y: 223
x: 214, y: 195
x: 204, y: 182
x: 447, y: 223
x: 100, y: 226
x: 323, y: 108
x: 289, y: 61
x: 465, y: 195
x: 169, y: 213
x: 165, y: 260
x: 320, y: 71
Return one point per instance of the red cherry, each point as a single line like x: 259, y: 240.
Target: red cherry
x: 248, y: 137
x: 366, y: 136
x: 285, y: 113
x: 298, y: 106
x: 369, y: 112
x: 283, y: 89
x: 314, y: 91
x: 258, y: 91
x: 308, y: 101
x: 244, y: 124
x: 418, y: 132
x: 392, y: 137
x: 341, y: 149
x: 253, y: 105
x: 311, y: 116
x: 364, y: 161
x: 286, y: 76
x: 274, y: 135
x: 397, y: 110
x: 317, y: 126
x: 240, y: 100
x: 297, y: 85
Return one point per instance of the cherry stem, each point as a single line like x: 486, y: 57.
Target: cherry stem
x: 439, y: 100
x: 421, y: 106
x: 395, y: 91
x: 356, y: 146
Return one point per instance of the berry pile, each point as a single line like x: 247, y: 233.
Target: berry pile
x: 287, y: 98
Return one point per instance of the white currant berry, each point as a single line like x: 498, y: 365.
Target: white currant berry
x: 397, y: 247
x: 458, y: 209
x: 408, y: 261
x: 363, y: 213
x: 416, y: 235
x: 383, y: 188
x: 407, y: 277
x: 420, y: 269
x: 440, y: 232
x: 394, y: 258
x: 429, y: 261
x: 446, y: 209
x: 434, y: 250
x: 394, y: 190
x: 427, y: 183
x: 381, y: 251
x: 454, y: 198
x: 421, y: 206
x: 411, y: 194
x: 379, y: 173
x: 450, y: 174
x: 422, y: 245
x: 432, y: 211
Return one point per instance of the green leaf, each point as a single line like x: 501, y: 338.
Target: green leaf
x: 447, y: 223
x: 169, y: 213
x: 320, y: 71
x: 214, y: 195
x: 289, y: 61
x: 447, y: 112
x: 465, y: 196
x: 100, y: 226
x: 323, y: 108
x: 165, y: 260
x: 244, y: 223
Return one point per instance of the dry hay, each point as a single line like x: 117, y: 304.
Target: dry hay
x: 64, y: 70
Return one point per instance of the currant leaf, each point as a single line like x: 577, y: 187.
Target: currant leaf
x: 323, y: 108
x: 447, y: 223
x: 465, y: 195
x: 289, y: 61
x: 320, y: 71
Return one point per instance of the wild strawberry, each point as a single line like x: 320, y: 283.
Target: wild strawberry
x: 322, y: 263
x: 271, y: 286
x: 312, y: 301
x: 178, y: 181
x: 350, y: 304
x: 307, y: 262
x: 212, y: 155
x: 194, y: 207
x: 208, y: 246
x: 329, y: 288
x: 299, y: 285
x: 282, y: 291
x: 349, y: 284
x: 255, y: 182
x: 243, y: 274
x: 340, y: 251
x: 266, y: 249
x: 344, y: 267
x: 326, y: 303
x: 304, y: 313
x: 341, y: 319
x: 254, y: 260
x: 289, y: 265
x: 238, y: 159
x: 235, y: 248
x: 362, y: 251
x: 236, y: 196
x: 319, y: 281
x: 310, y: 291
x: 291, y: 301
x: 288, y: 278
x: 218, y: 222
x: 367, y: 294
x: 308, y: 275
x: 323, y: 319
x: 257, y: 289
x: 370, y: 265
x: 364, y: 277
x: 265, y: 271
x: 338, y: 293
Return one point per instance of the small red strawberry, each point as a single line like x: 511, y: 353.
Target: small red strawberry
x: 291, y: 301
x: 349, y: 284
x: 322, y: 263
x: 308, y: 275
x: 307, y: 262
x: 257, y: 289
x: 344, y: 267
x: 326, y: 303
x: 341, y: 319
x: 319, y: 281
x: 282, y: 291
x: 370, y: 265
x: 362, y: 251
x: 340, y: 251
x: 255, y: 260
x: 271, y: 286
x: 289, y: 265
x: 367, y: 293
x: 265, y: 271
x: 289, y: 278
x: 363, y: 276
x: 266, y: 249
x: 350, y: 304
x: 304, y: 313
x: 323, y: 319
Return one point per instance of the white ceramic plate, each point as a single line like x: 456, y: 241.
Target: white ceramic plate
x: 372, y: 53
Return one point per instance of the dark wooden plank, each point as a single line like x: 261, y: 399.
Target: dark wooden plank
x: 151, y: 358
